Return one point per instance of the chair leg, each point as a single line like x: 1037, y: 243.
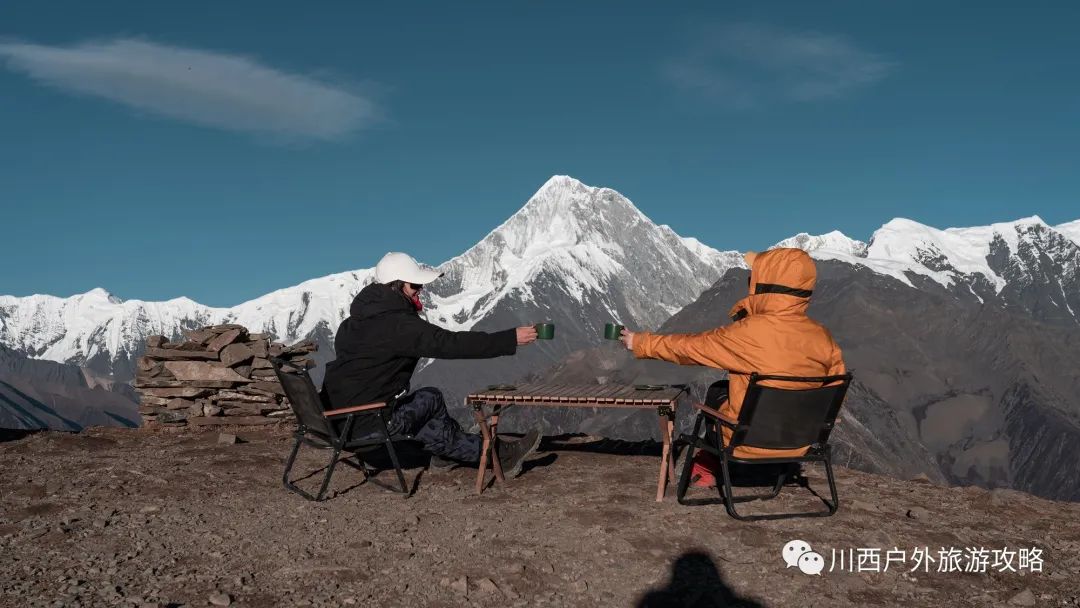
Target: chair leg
x: 397, y: 465
x: 288, y: 468
x: 688, y: 463
x: 329, y: 473
x: 729, y: 495
x: 393, y: 457
x: 835, y: 504
x: 730, y: 499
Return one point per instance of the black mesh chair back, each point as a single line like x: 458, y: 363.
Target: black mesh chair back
x: 303, y: 398
x: 799, y: 413
x: 781, y: 418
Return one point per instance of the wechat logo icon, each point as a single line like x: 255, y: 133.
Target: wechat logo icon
x: 799, y: 554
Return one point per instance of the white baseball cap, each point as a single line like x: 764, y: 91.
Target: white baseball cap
x: 397, y: 266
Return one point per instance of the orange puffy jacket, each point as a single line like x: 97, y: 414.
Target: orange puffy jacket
x: 771, y: 335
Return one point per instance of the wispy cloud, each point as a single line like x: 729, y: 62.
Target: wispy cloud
x: 202, y: 87
x: 744, y: 65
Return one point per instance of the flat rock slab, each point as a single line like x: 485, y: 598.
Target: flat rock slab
x: 175, y: 354
x: 200, y: 335
x: 235, y: 354
x: 196, y: 371
x: 224, y: 340
x: 227, y: 420
x: 187, y: 392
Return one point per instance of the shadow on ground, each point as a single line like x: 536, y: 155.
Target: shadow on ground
x: 695, y: 582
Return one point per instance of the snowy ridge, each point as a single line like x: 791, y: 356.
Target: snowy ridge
x: 904, y: 247
x: 834, y: 241
x: 91, y: 324
x: 1070, y: 230
x: 571, y: 246
x: 567, y: 232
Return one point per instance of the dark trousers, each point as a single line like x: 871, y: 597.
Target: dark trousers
x: 715, y: 396
x: 423, y: 415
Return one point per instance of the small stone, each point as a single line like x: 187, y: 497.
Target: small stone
x: 227, y: 439
x: 461, y: 585
x: 1024, y: 598
x: 221, y: 599
x: 580, y: 586
x: 487, y: 586
x: 512, y: 568
x: 918, y: 513
x: 171, y: 417
x: 178, y: 403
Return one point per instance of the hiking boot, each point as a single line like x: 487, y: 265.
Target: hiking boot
x: 512, y: 454
x: 438, y: 462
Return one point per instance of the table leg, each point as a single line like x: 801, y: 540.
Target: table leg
x: 495, y: 464
x: 481, y: 470
x: 667, y: 468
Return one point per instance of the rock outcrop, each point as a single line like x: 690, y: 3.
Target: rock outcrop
x: 220, y: 375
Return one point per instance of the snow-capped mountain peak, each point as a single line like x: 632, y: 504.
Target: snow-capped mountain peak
x: 581, y: 237
x: 834, y: 241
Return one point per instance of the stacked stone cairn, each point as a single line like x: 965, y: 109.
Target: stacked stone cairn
x: 219, y: 375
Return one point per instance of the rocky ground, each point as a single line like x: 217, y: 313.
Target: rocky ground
x: 172, y: 517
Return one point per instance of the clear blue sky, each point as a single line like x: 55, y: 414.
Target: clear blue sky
x: 222, y: 150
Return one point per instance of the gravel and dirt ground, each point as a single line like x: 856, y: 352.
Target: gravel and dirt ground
x: 168, y: 517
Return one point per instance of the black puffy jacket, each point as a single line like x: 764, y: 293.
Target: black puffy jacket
x: 382, y: 340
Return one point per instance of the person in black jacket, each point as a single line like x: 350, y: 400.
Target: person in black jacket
x: 379, y: 345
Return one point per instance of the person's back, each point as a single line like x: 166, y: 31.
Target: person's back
x: 379, y: 346
x: 771, y: 335
x: 367, y: 368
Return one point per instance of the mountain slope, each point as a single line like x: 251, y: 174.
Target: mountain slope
x: 965, y: 369
x: 48, y: 395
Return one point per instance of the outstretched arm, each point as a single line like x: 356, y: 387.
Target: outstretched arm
x: 719, y: 348
x: 428, y: 340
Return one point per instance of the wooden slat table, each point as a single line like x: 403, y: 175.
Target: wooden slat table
x: 572, y: 395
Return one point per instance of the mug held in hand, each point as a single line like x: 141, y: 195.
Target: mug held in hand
x: 612, y: 331
x: 545, y: 331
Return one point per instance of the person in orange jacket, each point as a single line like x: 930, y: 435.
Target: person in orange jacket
x: 770, y: 334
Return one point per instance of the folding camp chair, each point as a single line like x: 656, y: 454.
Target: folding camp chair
x: 772, y: 418
x: 331, y: 429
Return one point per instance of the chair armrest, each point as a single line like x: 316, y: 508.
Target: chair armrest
x: 354, y: 409
x: 722, y: 419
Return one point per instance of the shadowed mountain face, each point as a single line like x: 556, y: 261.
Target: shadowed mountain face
x: 38, y: 394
